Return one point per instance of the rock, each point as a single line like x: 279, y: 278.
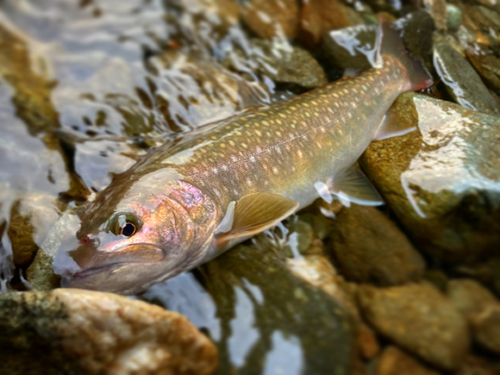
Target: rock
x: 84, y: 332
x: 351, y: 47
x: 453, y: 17
x: 354, y: 47
x: 487, y: 272
x: 486, y: 328
x: 425, y: 176
x: 480, y: 308
x: 438, y: 11
x: 369, y: 248
x: 263, y: 318
x: 485, y: 18
x: 272, y: 18
x: 368, y: 344
x: 40, y: 274
x: 488, y: 66
x: 418, y: 318
x: 394, y: 361
x: 320, y: 16
x: 474, y: 365
x: 290, y: 67
x: 462, y: 82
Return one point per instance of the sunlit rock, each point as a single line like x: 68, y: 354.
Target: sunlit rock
x: 83, y: 332
x: 462, y: 82
x: 441, y: 181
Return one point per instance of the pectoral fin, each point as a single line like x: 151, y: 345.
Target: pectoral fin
x: 257, y: 212
x: 352, y: 185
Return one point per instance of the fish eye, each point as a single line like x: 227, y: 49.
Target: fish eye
x: 128, y: 229
x: 124, y: 224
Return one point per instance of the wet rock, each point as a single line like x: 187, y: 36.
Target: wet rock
x: 418, y: 318
x: 461, y: 80
x: 488, y: 66
x: 262, y: 318
x: 481, y: 309
x: 485, y: 18
x: 438, y: 11
x: 453, y: 17
x: 290, y: 67
x: 272, y: 18
x: 369, y: 248
x: 320, y: 16
x: 351, y: 47
x: 354, y: 47
x: 40, y: 273
x: 425, y: 176
x: 84, y: 332
x: 394, y: 361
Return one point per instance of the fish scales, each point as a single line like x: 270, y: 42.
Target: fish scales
x: 286, y: 147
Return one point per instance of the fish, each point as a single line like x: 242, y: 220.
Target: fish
x: 190, y: 200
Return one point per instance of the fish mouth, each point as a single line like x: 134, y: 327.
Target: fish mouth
x: 108, y: 261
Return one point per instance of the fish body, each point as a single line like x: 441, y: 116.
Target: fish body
x: 188, y: 201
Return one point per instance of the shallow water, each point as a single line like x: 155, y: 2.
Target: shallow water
x: 88, y: 88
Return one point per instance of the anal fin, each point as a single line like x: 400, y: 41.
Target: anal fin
x: 351, y: 185
x: 392, y: 126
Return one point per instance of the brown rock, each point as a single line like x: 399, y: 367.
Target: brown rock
x: 418, y: 318
x: 480, y: 308
x: 394, y: 361
x: 40, y: 273
x: 425, y: 177
x: 368, y: 247
x: 486, y: 328
x: 367, y: 342
x: 271, y: 18
x: 319, y: 16
x: 82, y: 332
x: 437, y: 9
x: 474, y: 365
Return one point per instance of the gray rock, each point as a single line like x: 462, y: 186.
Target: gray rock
x: 461, y: 80
x: 82, y: 332
x: 453, y: 17
x: 440, y: 180
x: 369, y: 248
x: 418, y: 318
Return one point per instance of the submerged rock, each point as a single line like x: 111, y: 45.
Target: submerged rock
x: 262, y: 318
x: 440, y: 180
x: 289, y: 66
x: 418, y: 318
x: 369, y: 248
x: 461, y: 80
x: 488, y: 66
x: 84, y: 332
x: 394, y: 361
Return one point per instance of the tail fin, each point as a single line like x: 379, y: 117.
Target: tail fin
x: 391, y: 43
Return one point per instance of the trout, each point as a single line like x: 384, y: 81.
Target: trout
x: 192, y: 199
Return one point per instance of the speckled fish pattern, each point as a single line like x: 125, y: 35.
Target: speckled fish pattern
x: 286, y: 147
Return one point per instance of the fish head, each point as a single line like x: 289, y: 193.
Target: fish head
x: 125, y: 245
